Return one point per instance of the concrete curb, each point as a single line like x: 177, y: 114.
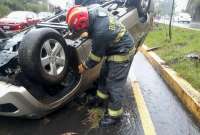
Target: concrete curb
x: 187, y: 94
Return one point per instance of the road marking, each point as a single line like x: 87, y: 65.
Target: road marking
x: 145, y: 117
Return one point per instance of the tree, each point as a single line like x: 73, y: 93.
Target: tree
x: 32, y: 5
x: 170, y: 23
x: 4, y: 10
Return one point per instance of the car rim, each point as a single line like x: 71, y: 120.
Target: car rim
x: 144, y: 4
x: 52, y: 57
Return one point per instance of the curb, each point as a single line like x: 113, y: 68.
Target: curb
x: 186, y: 93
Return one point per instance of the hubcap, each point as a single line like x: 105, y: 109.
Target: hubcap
x: 52, y: 57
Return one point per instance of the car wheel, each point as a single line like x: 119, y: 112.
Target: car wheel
x: 143, y: 7
x: 43, y: 56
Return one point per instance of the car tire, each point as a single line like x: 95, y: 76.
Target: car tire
x: 43, y: 56
x: 143, y: 7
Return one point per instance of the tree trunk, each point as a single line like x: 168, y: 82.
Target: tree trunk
x: 170, y: 23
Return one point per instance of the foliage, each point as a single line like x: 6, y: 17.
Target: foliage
x: 184, y: 42
x: 31, y: 5
x: 163, y: 7
x: 4, y: 10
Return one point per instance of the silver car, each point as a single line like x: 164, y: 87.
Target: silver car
x: 33, y: 84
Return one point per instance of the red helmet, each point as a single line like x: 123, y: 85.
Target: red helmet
x: 77, y: 18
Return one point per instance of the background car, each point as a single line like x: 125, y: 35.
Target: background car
x: 18, y: 20
x: 44, y: 15
x: 183, y: 17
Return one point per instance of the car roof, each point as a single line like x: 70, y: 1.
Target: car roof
x: 27, y: 12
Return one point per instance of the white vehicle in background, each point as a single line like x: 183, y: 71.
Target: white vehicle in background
x: 184, y: 17
x: 45, y: 15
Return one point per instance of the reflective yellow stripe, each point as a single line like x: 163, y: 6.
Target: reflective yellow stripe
x: 111, y: 23
x: 121, y: 58
x: 94, y: 57
x: 120, y: 34
x: 101, y: 95
x: 115, y: 113
x: 118, y: 58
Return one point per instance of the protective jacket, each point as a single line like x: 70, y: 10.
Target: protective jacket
x: 110, y: 39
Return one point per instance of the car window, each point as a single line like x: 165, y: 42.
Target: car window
x: 29, y: 16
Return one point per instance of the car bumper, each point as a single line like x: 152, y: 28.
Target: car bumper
x: 17, y: 101
x: 11, y: 28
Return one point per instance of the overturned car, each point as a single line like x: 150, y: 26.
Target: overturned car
x: 38, y: 66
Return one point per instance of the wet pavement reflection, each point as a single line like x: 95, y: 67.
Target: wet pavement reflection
x: 69, y: 120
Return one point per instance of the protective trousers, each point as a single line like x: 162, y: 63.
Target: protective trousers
x: 112, y: 80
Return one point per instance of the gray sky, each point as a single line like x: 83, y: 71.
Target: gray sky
x: 181, y: 4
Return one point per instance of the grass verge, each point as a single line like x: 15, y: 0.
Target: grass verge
x: 174, y: 52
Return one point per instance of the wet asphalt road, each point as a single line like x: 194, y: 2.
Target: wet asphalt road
x: 72, y: 119
x: 168, y: 114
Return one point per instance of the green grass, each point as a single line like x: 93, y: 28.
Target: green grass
x: 184, y: 41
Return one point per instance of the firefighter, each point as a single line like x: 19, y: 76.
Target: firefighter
x: 112, y: 44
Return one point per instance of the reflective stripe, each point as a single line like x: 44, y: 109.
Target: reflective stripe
x: 111, y: 23
x: 120, y: 34
x: 93, y: 57
x: 121, y: 58
x: 118, y: 58
x: 112, y: 27
x: 101, y: 95
x: 115, y: 113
